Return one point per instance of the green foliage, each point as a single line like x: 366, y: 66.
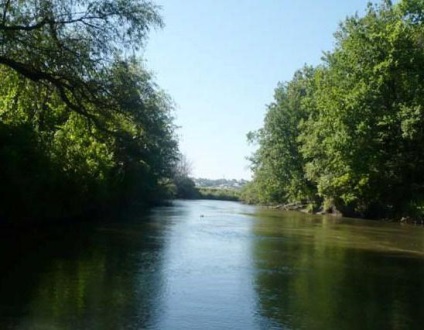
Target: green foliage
x: 251, y: 193
x: 278, y: 164
x: 219, y: 194
x: 82, y: 128
x: 184, y: 184
x: 186, y: 188
x: 356, y: 135
x: 69, y: 45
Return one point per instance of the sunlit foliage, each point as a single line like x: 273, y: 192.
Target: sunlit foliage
x: 352, y: 136
x: 83, y: 126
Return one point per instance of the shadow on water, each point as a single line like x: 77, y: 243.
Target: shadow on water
x: 326, y: 273
x: 214, y: 265
x: 81, y: 277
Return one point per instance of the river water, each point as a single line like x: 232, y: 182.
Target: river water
x: 215, y: 265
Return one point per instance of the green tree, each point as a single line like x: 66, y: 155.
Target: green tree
x: 184, y: 184
x: 69, y: 45
x: 278, y: 164
x: 147, y: 149
x: 364, y: 138
x: 84, y: 127
x: 354, y: 136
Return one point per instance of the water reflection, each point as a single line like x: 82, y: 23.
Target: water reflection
x: 215, y: 265
x: 315, y: 273
x: 91, y: 278
x: 208, y: 268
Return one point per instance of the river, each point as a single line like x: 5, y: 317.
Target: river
x: 215, y: 265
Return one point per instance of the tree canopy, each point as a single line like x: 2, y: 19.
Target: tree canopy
x: 352, y: 136
x: 70, y: 44
x: 83, y: 124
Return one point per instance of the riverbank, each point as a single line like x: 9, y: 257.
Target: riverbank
x: 333, y: 211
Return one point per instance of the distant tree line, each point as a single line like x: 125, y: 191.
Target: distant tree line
x: 83, y: 127
x: 223, y: 194
x: 348, y: 134
x: 220, y: 183
x: 186, y: 187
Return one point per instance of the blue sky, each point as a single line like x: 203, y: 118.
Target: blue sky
x: 220, y: 61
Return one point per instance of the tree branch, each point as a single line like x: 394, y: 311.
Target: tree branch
x: 6, y: 8
x: 36, y: 26
x: 61, y: 86
x: 47, y: 20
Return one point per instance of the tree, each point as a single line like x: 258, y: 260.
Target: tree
x: 364, y: 139
x: 185, y: 186
x: 355, y: 140
x: 69, y: 44
x: 146, y: 148
x: 84, y: 125
x: 278, y: 164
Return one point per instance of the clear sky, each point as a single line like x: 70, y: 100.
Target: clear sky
x: 220, y: 61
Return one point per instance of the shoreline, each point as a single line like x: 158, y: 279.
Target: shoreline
x: 303, y: 208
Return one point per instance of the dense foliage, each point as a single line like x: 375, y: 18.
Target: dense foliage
x: 82, y: 125
x: 223, y: 194
x: 349, y: 134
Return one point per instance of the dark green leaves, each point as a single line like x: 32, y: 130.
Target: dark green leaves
x: 352, y: 129
x: 98, y: 129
